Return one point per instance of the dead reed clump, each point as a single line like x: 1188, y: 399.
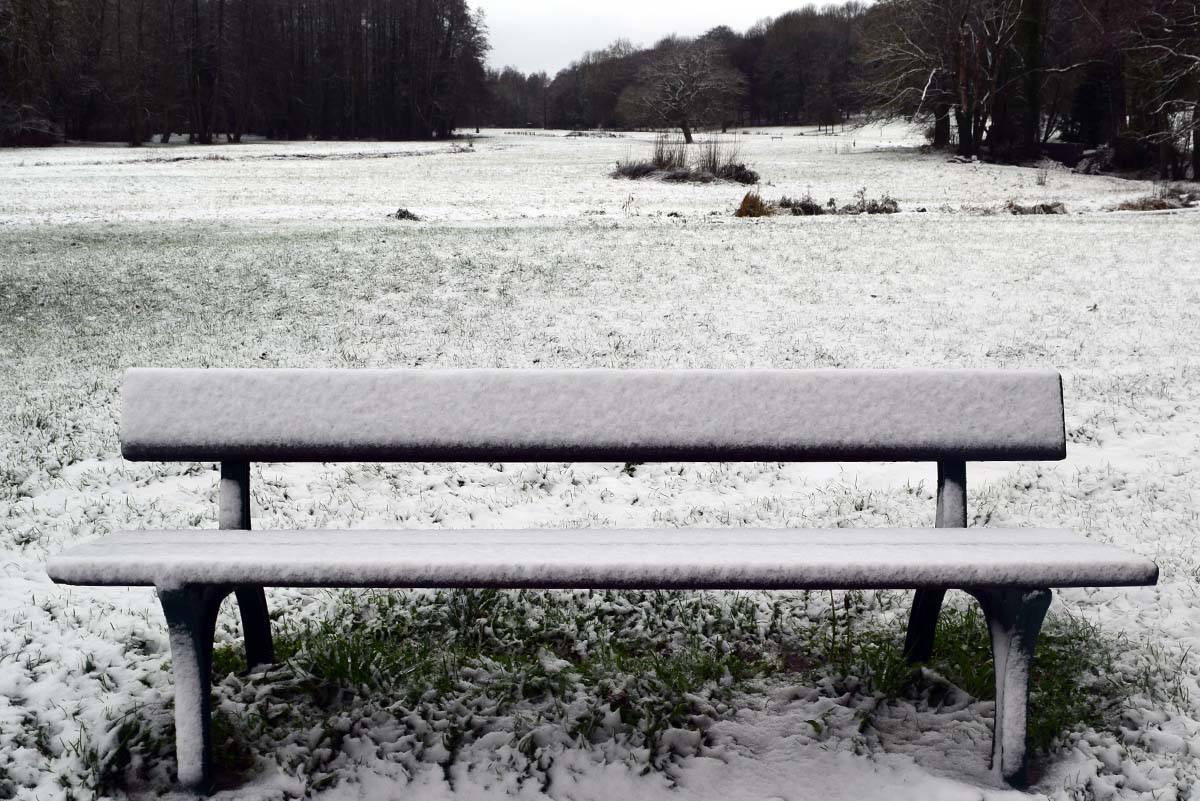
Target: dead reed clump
x: 754, y: 206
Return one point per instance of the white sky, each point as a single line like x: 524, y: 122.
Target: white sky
x: 534, y: 35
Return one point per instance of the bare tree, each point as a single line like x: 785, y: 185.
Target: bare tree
x: 980, y: 61
x: 912, y: 65
x: 688, y: 83
x: 1168, y: 38
x: 941, y: 59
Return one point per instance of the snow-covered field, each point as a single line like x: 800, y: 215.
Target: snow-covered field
x: 528, y: 254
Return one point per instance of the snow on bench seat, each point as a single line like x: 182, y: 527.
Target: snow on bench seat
x: 600, y: 559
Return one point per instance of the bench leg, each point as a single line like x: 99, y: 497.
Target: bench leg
x: 922, y: 624
x: 191, y: 614
x: 1014, y: 619
x: 234, y: 492
x: 256, y: 626
x: 927, y: 605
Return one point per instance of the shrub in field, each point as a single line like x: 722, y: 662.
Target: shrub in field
x: 405, y: 214
x: 670, y: 154
x: 806, y: 206
x: 1038, y: 208
x: 671, y: 160
x: 1165, y: 198
x: 754, y: 206
x: 865, y: 205
x: 1150, y: 203
x: 743, y: 174
x: 720, y: 160
x: 629, y: 168
x: 683, y: 174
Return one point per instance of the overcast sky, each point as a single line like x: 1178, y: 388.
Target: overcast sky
x: 547, y: 35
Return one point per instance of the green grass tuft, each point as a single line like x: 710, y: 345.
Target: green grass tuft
x: 599, y: 666
x: 1076, y: 683
x: 628, y: 666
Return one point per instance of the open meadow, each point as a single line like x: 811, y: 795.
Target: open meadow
x: 528, y: 254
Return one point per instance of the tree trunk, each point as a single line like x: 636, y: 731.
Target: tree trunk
x: 1052, y: 114
x: 1032, y: 14
x: 217, y: 89
x: 964, y: 112
x: 966, y: 134
x: 941, y: 126
x: 1165, y: 166
x: 687, y: 132
x: 1118, y: 105
x: 1196, y: 141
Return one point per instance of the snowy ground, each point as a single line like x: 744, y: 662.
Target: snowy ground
x: 530, y: 255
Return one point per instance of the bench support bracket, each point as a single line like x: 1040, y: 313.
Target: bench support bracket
x: 927, y: 604
x: 1014, y: 618
x: 922, y: 625
x: 256, y: 626
x: 252, y: 601
x: 191, y: 614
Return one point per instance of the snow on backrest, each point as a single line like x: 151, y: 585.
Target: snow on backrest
x: 591, y: 415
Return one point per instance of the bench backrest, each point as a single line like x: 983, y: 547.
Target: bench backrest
x: 591, y: 415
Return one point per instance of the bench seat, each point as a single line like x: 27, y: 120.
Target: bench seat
x: 715, y: 559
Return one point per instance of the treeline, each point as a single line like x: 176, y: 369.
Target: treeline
x: 998, y: 78
x: 332, y: 69
x: 799, y: 68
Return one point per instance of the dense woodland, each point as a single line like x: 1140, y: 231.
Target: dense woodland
x: 1002, y: 79
x: 289, y: 69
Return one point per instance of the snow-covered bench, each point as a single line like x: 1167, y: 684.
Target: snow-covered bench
x: 236, y: 417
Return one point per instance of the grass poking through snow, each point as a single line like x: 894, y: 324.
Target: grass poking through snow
x: 535, y: 671
x: 1077, y: 683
